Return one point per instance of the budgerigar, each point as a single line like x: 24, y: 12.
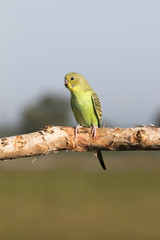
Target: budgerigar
x: 85, y: 105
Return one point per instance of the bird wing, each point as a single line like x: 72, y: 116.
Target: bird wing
x: 97, y: 107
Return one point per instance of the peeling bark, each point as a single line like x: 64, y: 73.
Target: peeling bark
x: 53, y: 139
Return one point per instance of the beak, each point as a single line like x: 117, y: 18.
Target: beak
x: 66, y: 82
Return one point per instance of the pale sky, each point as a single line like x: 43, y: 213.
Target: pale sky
x: 115, y: 44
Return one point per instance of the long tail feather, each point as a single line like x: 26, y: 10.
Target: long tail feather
x: 100, y: 157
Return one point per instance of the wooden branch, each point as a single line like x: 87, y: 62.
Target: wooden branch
x: 53, y: 139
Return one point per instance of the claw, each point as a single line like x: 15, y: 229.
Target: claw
x: 93, y: 131
x: 76, y: 130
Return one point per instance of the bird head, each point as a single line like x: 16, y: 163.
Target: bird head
x: 75, y: 82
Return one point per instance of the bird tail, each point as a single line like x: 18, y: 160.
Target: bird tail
x: 100, y: 157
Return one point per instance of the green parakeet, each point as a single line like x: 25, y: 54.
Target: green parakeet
x: 85, y: 105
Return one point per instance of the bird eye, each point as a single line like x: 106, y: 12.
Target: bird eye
x: 72, y: 78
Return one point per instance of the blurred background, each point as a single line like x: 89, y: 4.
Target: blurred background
x: 116, y: 46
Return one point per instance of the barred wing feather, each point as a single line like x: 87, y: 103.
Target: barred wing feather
x: 97, y: 107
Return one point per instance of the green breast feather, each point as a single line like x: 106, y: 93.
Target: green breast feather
x: 86, y: 108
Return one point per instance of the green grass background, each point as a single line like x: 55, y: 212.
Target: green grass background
x: 68, y: 196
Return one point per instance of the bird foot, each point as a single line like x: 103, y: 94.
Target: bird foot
x: 76, y: 130
x: 93, y: 131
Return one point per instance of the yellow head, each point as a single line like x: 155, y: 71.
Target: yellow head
x: 76, y: 82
